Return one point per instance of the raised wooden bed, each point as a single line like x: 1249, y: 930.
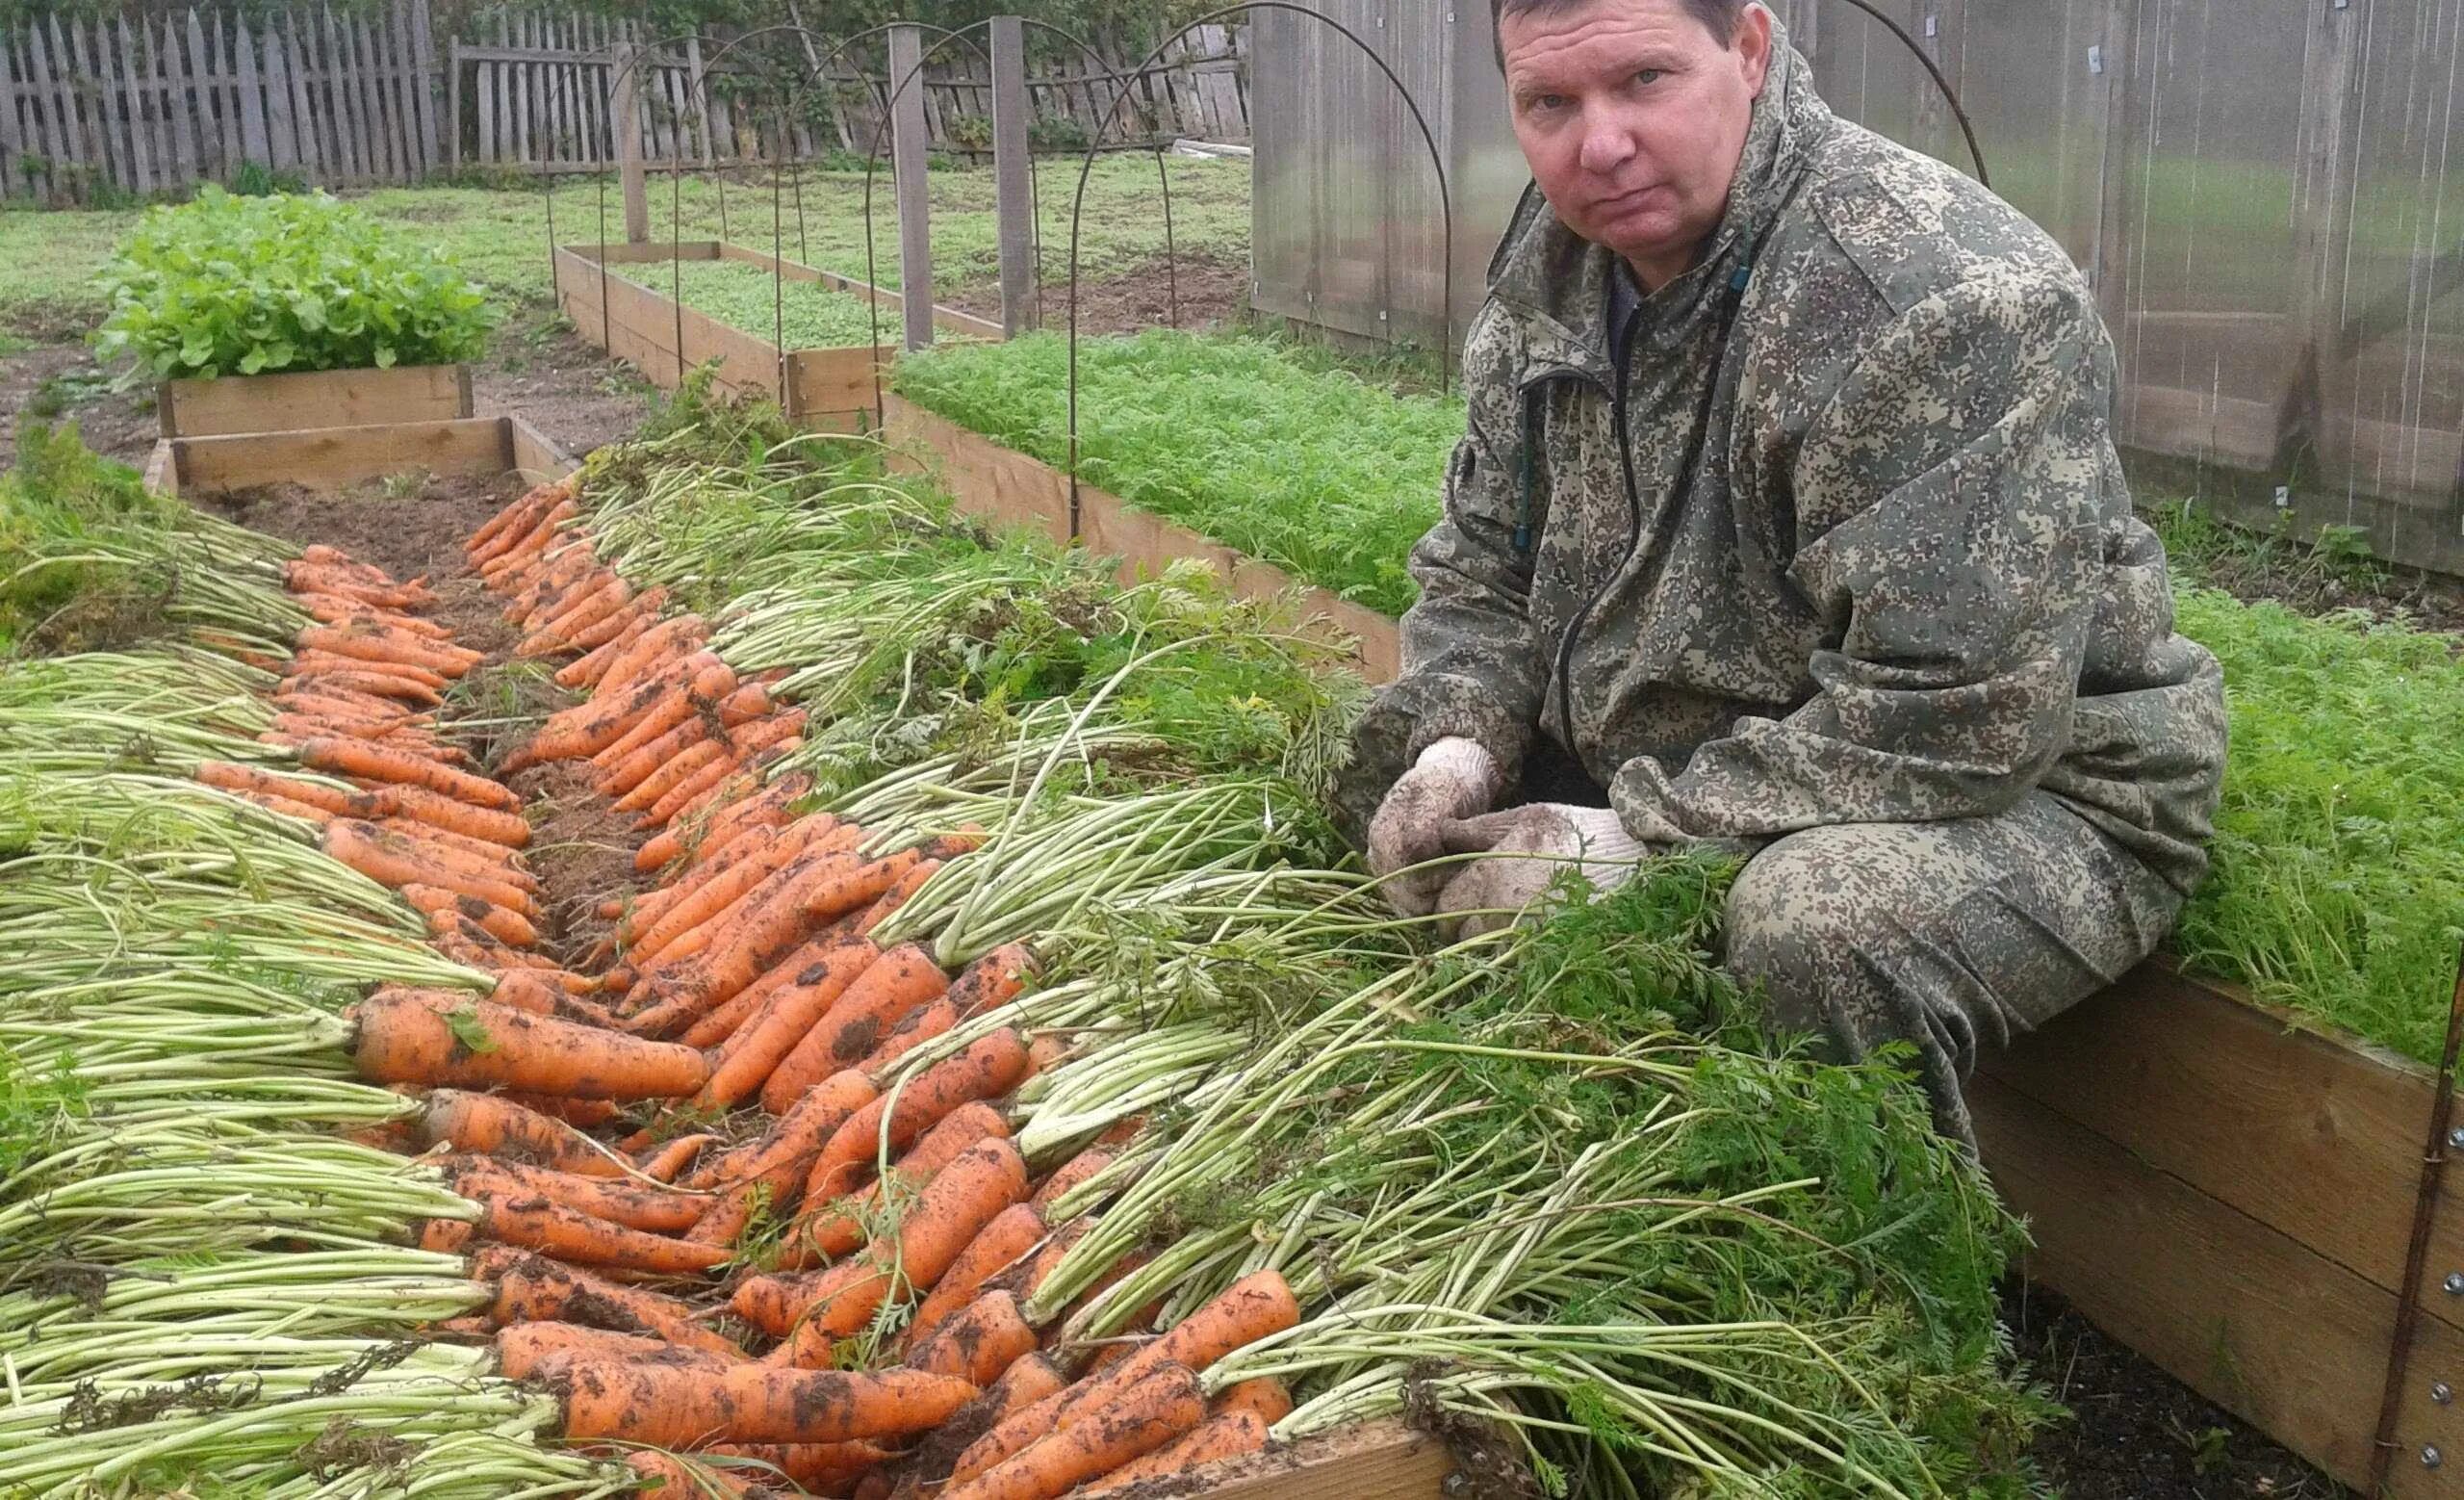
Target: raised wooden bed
x: 823, y: 389
x: 320, y: 398
x: 2229, y: 1193
x: 336, y: 457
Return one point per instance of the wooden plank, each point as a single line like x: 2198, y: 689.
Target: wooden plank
x: 1013, y: 174
x: 536, y: 456
x: 697, y: 83
x: 834, y: 382
x: 282, y: 137
x: 948, y: 319
x: 627, y: 108
x: 127, y: 104
x: 365, y: 66
x: 58, y: 116
x: 399, y: 80
x: 485, y: 79
x: 254, y: 144
x: 224, y: 87
x: 171, y: 70
x: 345, y: 101
x: 314, y: 399
x: 108, y: 155
x: 335, y: 457
x: 910, y: 146
x: 2239, y: 1311
x: 1376, y: 1461
x: 297, y: 57
x: 2314, y: 1135
x: 12, y: 139
x: 432, y: 129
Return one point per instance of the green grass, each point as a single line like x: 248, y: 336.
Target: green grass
x: 1286, y: 459
x: 743, y: 296
x: 500, y: 236
x: 2340, y: 850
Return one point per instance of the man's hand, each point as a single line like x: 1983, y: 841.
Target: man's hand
x: 1524, y: 851
x: 1453, y: 779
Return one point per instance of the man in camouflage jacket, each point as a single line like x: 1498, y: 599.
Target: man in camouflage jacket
x: 1817, y: 550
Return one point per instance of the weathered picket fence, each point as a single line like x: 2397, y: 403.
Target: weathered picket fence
x: 91, y: 104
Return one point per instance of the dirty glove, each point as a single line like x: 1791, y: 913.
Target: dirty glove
x: 1523, y: 851
x: 1453, y: 779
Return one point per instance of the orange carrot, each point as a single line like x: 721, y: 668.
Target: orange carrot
x: 666, y: 1477
x: 525, y: 1350
x: 994, y: 980
x: 493, y: 1046
x: 834, y: 1229
x: 1002, y: 1243
x: 628, y: 769
x: 588, y: 728
x: 365, y: 684
x: 584, y: 1114
x: 772, y: 923
x: 503, y: 923
x: 350, y: 758
x: 1072, y: 1172
x: 855, y: 977
x: 722, y: 886
x: 801, y: 1046
x: 823, y: 1467
x: 791, y: 1143
x: 980, y: 1343
x: 946, y: 1216
x: 667, y: 1162
x: 548, y: 993
x: 988, y: 1068
x: 652, y: 789
x: 635, y: 616
x: 1219, y: 1439
x: 390, y: 859
x: 420, y: 805
x: 715, y: 1027
x: 531, y: 1288
x: 934, y: 1019
x: 668, y: 1406
x: 635, y: 1206
x: 539, y: 1223
x: 585, y: 672
x: 1263, y: 1398
x: 1132, y: 1422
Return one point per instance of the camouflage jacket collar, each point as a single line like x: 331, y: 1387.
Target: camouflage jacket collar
x: 1558, y: 284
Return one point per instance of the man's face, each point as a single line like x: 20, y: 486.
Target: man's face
x: 1633, y: 116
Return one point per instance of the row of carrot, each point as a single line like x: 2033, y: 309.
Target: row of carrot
x: 747, y: 974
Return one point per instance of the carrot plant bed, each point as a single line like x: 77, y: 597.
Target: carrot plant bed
x: 984, y: 1066
x: 626, y: 300
x: 2261, y: 1099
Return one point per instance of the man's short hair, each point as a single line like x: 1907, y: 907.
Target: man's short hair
x: 1719, y: 16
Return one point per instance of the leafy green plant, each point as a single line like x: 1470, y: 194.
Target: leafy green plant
x: 243, y: 286
x: 1308, y: 467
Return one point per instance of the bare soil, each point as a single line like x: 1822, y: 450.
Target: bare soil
x: 1204, y: 291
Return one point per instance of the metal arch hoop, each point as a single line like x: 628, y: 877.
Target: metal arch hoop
x: 1087, y: 171
x: 621, y: 76
x: 1034, y: 191
x: 1172, y: 250
x: 1959, y: 111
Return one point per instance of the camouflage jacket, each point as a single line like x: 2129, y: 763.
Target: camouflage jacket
x: 1846, y: 539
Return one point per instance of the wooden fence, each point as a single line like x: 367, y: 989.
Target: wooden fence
x: 164, y: 102
x: 536, y: 97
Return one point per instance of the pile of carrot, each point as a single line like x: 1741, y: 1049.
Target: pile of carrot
x: 675, y: 1140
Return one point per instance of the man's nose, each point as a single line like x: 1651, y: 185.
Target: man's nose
x: 1607, y: 145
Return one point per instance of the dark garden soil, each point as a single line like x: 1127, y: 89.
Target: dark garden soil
x: 2135, y: 1433
x: 1211, y: 292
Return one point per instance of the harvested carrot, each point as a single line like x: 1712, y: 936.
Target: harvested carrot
x: 794, y: 1141
x: 365, y: 684
x: 588, y: 728
x: 982, y: 1341
x: 350, y: 758
x: 669, y: 1407
x: 827, y: 1467
x: 551, y: 993
x: 834, y: 1229
x: 952, y: 1209
x: 527, y: 1350
x: 669, y: 1161
x: 636, y: 1205
x: 582, y: 1114
x: 1141, y: 1418
x: 1265, y: 1398
x: 994, y: 980
x: 1002, y: 1243
x: 418, y: 804
x: 503, y: 923
x: 375, y: 642
x: 722, y: 886
x: 797, y: 1045
x: 819, y: 888
x: 988, y: 1068
x: 1070, y: 1174
x: 531, y: 1288
x: 588, y: 670
x: 666, y: 1477
x: 1219, y: 1439
x: 636, y: 615
x: 491, y: 1046
x: 688, y: 762
x: 935, y: 1019
x: 710, y: 681
x: 624, y: 770
x: 854, y: 978
x: 681, y: 797
x: 493, y: 1126
x: 542, y: 1223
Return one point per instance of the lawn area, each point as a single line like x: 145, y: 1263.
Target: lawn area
x: 47, y: 259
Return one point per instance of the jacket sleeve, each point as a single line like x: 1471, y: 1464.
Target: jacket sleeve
x: 1949, y: 501
x: 1473, y: 665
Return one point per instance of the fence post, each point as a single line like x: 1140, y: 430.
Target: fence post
x: 909, y: 147
x: 627, y: 111
x: 1013, y: 178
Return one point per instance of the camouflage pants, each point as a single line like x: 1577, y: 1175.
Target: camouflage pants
x: 1953, y: 935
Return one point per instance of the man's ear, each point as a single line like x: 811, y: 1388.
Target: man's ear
x: 1754, y: 46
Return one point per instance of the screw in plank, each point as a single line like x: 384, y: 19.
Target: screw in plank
x: 2442, y: 1392
x: 2431, y: 1458
x: 2455, y: 1283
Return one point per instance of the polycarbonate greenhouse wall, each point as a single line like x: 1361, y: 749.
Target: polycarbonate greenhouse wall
x: 2260, y: 191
